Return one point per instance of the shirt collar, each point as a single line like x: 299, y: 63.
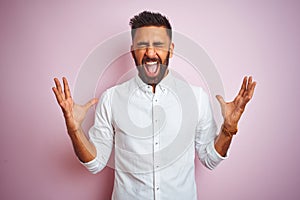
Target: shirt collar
x: 166, y: 83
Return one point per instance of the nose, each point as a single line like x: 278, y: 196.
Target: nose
x: 150, y: 52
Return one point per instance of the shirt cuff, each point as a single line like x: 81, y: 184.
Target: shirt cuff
x: 94, y: 166
x: 214, y: 157
x: 216, y: 154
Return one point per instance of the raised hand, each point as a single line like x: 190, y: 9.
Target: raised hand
x: 74, y: 114
x: 232, y: 111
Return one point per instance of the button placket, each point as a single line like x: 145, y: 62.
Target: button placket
x: 156, y: 148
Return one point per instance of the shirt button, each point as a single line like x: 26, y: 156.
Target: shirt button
x: 156, y: 143
x: 157, y: 188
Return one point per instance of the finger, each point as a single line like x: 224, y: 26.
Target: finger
x: 58, y: 90
x: 251, y: 90
x: 243, y: 87
x: 250, y: 80
x: 66, y: 88
x: 249, y: 95
x: 57, y: 95
x: 249, y: 83
x: 220, y: 100
x: 58, y: 86
x: 91, y: 103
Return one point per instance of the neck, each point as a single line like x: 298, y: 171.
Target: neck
x: 153, y: 87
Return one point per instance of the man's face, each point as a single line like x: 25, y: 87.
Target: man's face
x: 151, y: 49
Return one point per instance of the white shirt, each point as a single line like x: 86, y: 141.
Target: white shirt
x: 150, y: 139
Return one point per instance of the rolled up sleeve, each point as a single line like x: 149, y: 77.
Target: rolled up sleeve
x: 101, y: 134
x: 206, y: 133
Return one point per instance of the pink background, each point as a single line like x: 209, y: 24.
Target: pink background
x: 40, y: 40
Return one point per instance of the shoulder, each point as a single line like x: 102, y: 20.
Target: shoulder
x: 197, y: 91
x: 118, y: 91
x: 126, y: 85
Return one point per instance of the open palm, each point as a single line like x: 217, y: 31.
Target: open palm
x: 232, y: 111
x: 74, y: 114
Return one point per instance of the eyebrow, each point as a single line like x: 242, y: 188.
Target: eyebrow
x: 158, y: 43
x: 147, y: 43
x: 142, y: 43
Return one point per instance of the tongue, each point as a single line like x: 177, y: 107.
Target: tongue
x: 152, y: 68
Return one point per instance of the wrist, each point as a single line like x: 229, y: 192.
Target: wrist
x: 230, y: 125
x: 74, y: 131
x: 229, y: 131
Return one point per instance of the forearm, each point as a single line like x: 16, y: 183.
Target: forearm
x: 224, y: 139
x: 84, y: 149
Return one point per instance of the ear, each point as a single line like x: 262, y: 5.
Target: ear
x: 171, y: 49
x: 132, y: 51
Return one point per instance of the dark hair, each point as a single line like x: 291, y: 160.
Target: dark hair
x: 148, y: 18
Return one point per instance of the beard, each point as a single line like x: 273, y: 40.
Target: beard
x: 152, y: 70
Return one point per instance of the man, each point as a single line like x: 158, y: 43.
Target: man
x: 148, y: 127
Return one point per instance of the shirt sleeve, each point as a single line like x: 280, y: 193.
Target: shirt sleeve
x: 206, y: 132
x: 101, y: 134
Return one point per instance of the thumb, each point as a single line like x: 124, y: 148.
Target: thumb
x: 91, y: 103
x: 220, y: 100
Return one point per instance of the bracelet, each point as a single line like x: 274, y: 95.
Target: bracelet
x: 227, y: 132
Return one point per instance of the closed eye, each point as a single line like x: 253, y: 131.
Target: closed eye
x: 142, y: 44
x: 158, y: 44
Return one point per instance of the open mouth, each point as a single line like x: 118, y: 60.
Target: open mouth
x: 151, y: 68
